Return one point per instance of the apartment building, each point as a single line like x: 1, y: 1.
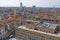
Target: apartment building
x: 23, y: 33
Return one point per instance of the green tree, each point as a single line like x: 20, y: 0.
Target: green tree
x: 37, y: 16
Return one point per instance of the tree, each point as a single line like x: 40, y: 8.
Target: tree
x: 37, y: 16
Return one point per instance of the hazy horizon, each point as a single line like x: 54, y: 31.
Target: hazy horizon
x: 30, y: 3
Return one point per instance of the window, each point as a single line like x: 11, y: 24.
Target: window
x: 52, y: 20
x: 29, y: 22
x: 52, y: 38
x: 44, y: 31
x: 41, y: 38
x: 7, y: 27
x: 45, y: 19
x: 49, y: 31
x: 56, y: 21
x: 58, y: 29
x: 49, y: 20
x: 39, y: 35
x: 35, y: 28
x: 32, y: 38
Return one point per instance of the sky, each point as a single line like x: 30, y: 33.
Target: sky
x: 30, y: 3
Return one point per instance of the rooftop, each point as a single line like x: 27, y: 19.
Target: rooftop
x: 49, y: 25
x: 23, y: 27
x: 44, y: 24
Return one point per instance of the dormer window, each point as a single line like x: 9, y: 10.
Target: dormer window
x: 35, y: 28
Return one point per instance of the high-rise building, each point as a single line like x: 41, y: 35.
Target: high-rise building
x: 21, y: 4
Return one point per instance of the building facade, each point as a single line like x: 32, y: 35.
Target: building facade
x: 23, y: 33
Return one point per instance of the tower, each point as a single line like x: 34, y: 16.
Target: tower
x: 33, y: 6
x: 14, y: 10
x: 21, y: 4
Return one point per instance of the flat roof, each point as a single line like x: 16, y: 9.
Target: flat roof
x: 49, y: 25
x: 44, y: 24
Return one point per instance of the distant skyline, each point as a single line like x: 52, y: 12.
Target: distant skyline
x: 30, y: 3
